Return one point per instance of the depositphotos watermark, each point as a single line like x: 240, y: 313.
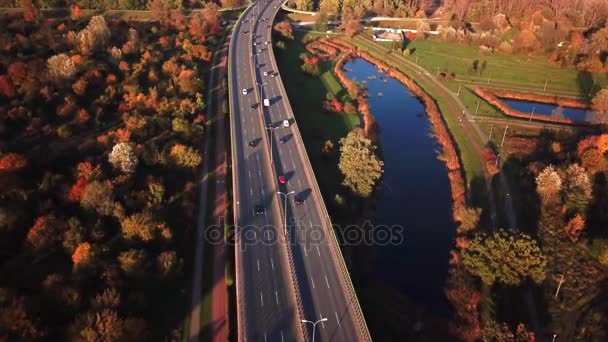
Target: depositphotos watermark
x: 304, y: 234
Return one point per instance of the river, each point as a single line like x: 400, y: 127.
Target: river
x: 414, y: 193
x: 549, y: 110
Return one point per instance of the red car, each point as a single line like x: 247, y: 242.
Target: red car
x: 282, y: 179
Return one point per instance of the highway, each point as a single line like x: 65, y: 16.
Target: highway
x: 277, y: 287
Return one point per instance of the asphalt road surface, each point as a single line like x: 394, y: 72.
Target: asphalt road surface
x: 268, y: 309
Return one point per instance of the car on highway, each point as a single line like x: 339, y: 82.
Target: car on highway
x: 260, y: 210
x: 282, y: 179
x: 244, y: 32
x: 285, y: 123
x: 298, y: 200
x: 255, y: 105
x: 252, y: 143
x: 283, y: 139
x: 266, y: 73
x: 273, y: 75
x: 266, y: 42
x: 268, y: 26
x: 244, y: 91
x: 266, y: 103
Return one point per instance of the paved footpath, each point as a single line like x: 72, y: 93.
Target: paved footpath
x: 219, y: 302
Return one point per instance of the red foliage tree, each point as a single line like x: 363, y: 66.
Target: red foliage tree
x: 337, y: 105
x: 30, y: 10
x: 42, y: 233
x: 77, y: 190
x: 87, y: 171
x: 6, y: 88
x: 76, y: 12
x: 12, y: 162
x: 17, y: 72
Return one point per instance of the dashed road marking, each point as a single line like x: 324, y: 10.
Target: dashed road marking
x: 259, y: 266
x: 261, y: 299
x: 272, y: 264
x: 326, y: 282
x: 313, y: 282
x: 318, y: 251
x: 322, y: 323
x: 337, y: 319
x: 276, y: 297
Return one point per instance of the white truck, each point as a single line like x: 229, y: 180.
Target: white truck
x: 266, y: 103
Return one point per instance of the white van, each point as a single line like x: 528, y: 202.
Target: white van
x: 285, y: 123
x: 266, y: 103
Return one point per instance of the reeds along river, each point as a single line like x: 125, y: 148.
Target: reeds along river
x: 414, y: 193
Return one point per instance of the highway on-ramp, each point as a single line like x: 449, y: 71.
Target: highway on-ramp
x: 280, y: 284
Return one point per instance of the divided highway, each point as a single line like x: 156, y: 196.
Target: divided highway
x: 280, y: 284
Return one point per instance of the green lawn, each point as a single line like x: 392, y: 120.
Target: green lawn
x: 306, y: 94
x: 516, y: 70
x: 470, y: 158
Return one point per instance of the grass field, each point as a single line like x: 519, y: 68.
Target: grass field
x: 306, y: 94
x: 516, y: 70
x: 470, y: 159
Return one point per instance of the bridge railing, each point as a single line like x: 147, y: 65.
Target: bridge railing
x: 332, y: 241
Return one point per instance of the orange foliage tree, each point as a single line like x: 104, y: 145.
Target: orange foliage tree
x: 12, y: 162
x: 82, y: 254
x: 574, y: 227
x: 42, y: 233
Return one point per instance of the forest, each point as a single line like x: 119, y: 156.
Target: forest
x: 101, y: 126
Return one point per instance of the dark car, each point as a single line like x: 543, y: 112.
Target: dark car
x: 298, y: 200
x: 245, y: 32
x: 255, y: 105
x: 260, y: 210
x: 283, y: 139
x: 252, y: 143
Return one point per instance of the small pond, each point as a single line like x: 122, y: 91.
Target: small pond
x: 549, y: 110
x: 415, y: 192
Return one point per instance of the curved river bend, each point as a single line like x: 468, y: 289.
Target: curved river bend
x: 415, y: 193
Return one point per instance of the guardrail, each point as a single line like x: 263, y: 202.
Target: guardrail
x: 242, y: 328
x: 333, y: 242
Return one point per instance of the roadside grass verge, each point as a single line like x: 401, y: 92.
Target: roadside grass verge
x: 306, y: 94
x: 468, y: 155
x: 514, y: 70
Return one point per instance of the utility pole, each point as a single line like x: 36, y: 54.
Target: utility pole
x: 416, y: 58
x: 531, y: 113
x: 561, y: 281
x: 545, y: 88
x: 503, y: 136
x: 438, y: 73
x: 491, y: 129
x: 476, y: 109
x: 489, y: 76
x: 459, y: 84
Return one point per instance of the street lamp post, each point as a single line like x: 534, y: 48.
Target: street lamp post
x: 314, y: 325
x: 261, y: 91
x: 271, y: 128
x: 285, y: 206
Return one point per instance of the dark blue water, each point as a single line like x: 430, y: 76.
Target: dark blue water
x: 549, y: 110
x: 415, y: 192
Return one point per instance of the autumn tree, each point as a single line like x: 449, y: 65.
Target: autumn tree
x: 159, y: 10
x: 329, y: 6
x: 94, y: 36
x: 43, y: 233
x: 11, y: 162
x: 185, y: 156
x: 494, y: 332
x: 592, y: 159
x: 469, y: 218
x: 82, y: 255
x: 61, y: 67
x: 98, y: 196
x: 211, y: 15
x: 526, y: 42
x: 285, y: 29
x: 168, y: 262
x: 30, y: 10
x: 133, y: 261
x: 139, y: 225
x: 16, y: 322
x: 104, y: 325
x: 359, y: 164
x: 599, y: 104
x: 303, y: 5
x: 507, y: 258
x: 548, y: 183
x: 574, y: 227
x: 188, y: 81
x: 108, y: 299
x: 351, y: 22
x: 123, y: 158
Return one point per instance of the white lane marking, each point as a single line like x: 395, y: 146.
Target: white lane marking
x: 300, y: 184
x: 322, y: 323
x: 264, y: 337
x: 305, y: 253
x: 251, y: 192
x: 310, y: 222
x: 276, y: 297
x: 313, y: 282
x: 294, y: 164
x: 261, y: 299
x: 260, y: 173
x: 249, y: 171
x: 259, y: 266
x: 318, y: 251
x: 337, y: 320
x: 272, y: 264
x: 282, y: 340
x: 326, y: 282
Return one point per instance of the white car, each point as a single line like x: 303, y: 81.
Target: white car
x: 266, y: 42
x: 285, y: 123
x: 244, y: 91
x: 265, y: 73
x: 273, y: 75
